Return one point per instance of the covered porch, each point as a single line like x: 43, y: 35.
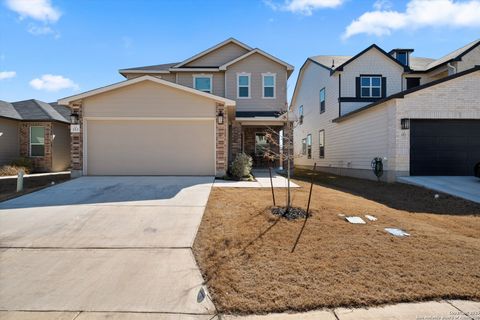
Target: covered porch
x: 263, y: 138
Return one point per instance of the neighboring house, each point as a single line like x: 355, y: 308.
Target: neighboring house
x: 420, y: 116
x: 185, y: 118
x: 36, y: 130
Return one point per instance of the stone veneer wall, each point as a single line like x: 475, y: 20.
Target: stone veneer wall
x: 76, y: 143
x: 40, y: 163
x: 221, y: 142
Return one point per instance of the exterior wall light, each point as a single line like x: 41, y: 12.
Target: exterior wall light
x: 220, y: 117
x: 74, y: 117
x: 405, y: 124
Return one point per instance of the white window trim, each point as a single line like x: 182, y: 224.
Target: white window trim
x: 35, y: 144
x: 274, y: 85
x: 202, y: 75
x: 249, y: 85
x: 370, y: 87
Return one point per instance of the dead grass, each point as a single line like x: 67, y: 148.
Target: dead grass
x: 245, y: 252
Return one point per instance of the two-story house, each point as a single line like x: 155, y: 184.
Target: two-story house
x: 183, y: 118
x: 418, y: 116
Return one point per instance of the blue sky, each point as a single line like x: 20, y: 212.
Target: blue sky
x: 52, y: 49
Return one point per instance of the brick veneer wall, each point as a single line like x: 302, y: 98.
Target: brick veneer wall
x: 249, y: 143
x: 221, y: 142
x: 76, y: 143
x: 40, y: 163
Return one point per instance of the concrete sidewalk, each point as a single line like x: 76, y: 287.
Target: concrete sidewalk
x: 434, y: 310
x: 262, y: 178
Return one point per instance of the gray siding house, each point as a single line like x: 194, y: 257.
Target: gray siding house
x: 418, y: 116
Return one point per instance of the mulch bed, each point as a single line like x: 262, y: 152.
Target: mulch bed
x: 257, y: 262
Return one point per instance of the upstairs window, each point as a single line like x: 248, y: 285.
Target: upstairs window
x: 300, y: 114
x: 309, y: 146
x: 370, y: 86
x: 37, y: 141
x: 203, y: 83
x: 243, y: 89
x: 304, y: 146
x: 268, y: 80
x: 322, y: 100
x: 402, y: 57
x: 321, y: 144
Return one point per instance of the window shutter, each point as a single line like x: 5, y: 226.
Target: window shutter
x: 384, y: 87
x: 357, y: 86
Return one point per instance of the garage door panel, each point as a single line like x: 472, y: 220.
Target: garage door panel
x: 150, y: 147
x: 444, y: 147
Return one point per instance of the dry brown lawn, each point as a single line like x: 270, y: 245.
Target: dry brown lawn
x: 245, y: 252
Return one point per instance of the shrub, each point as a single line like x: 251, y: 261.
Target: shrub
x: 24, y: 163
x: 7, y: 170
x: 242, y: 166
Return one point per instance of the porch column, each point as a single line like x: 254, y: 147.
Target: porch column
x: 76, y: 144
x: 236, y: 146
x: 288, y: 145
x: 221, y: 141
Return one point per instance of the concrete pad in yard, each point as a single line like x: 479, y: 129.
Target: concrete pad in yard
x: 140, y: 316
x: 22, y: 315
x: 313, y: 315
x: 135, y: 280
x: 151, y: 190
x: 403, y: 311
x: 100, y: 226
x: 472, y: 308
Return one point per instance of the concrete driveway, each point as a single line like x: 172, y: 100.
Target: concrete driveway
x: 466, y: 187
x: 104, y: 244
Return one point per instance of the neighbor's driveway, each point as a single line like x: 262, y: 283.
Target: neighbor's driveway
x: 466, y: 187
x: 104, y: 244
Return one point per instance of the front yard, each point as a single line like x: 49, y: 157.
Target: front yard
x: 245, y: 252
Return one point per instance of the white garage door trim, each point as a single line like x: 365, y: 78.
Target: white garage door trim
x: 85, y: 133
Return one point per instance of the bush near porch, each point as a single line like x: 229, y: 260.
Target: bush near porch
x: 245, y: 253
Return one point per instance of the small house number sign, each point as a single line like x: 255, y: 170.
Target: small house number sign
x: 75, y: 128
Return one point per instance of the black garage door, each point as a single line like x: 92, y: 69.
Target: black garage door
x: 444, y: 147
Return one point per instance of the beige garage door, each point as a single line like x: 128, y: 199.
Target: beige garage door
x: 150, y: 147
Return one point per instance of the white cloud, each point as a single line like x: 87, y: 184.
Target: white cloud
x: 50, y: 82
x: 382, y: 5
x: 41, y: 10
x: 418, y: 14
x: 7, y: 74
x: 305, y: 7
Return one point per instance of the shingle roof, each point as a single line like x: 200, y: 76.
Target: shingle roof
x: 157, y: 67
x: 416, y: 63
x: 34, y: 110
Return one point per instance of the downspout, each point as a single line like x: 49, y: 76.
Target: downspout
x: 453, y: 67
x: 339, y: 94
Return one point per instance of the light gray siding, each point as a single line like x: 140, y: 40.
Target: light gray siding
x: 256, y: 64
x: 164, y: 76
x: 9, y: 140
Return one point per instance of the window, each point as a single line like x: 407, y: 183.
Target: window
x: 300, y: 114
x: 371, y: 86
x: 322, y: 100
x: 412, y: 83
x: 261, y: 144
x: 37, y: 141
x: 243, y: 81
x: 203, y: 83
x: 321, y: 144
x: 269, y: 80
x: 402, y: 57
x: 304, y: 146
x: 309, y: 146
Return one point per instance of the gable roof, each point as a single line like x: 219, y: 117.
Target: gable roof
x: 125, y: 83
x: 361, y: 53
x: 402, y: 94
x: 34, y: 110
x: 263, y: 53
x: 215, y: 47
x: 452, y: 56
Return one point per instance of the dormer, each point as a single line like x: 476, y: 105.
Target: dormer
x: 402, y: 56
